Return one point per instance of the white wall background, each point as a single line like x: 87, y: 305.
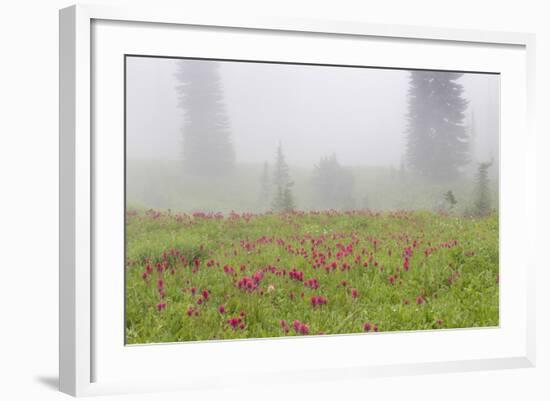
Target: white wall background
x: 29, y: 196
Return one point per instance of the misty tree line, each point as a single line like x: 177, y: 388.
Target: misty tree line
x: 438, y: 142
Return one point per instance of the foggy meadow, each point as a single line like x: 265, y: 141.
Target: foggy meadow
x: 269, y: 200
x: 212, y: 136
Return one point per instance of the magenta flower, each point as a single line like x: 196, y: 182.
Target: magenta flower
x: 221, y: 309
x: 296, y: 325
x: 312, y: 283
x: 160, y: 284
x: 420, y: 300
x: 354, y: 293
x: 161, y: 306
x: 247, y: 284
x: 304, y: 329
x: 367, y: 327
x: 205, y: 294
x: 317, y: 300
x: 234, y: 322
x: 284, y: 325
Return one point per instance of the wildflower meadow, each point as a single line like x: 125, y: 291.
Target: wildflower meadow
x: 208, y: 276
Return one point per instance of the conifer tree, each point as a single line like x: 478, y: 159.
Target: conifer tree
x: 437, y: 141
x: 207, y: 148
x: 482, y: 203
x: 333, y: 184
x: 283, y: 200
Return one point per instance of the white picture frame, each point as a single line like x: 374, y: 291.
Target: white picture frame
x: 81, y: 211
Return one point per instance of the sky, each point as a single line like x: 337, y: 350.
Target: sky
x: 357, y: 113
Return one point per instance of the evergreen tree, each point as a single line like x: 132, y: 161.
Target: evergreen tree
x: 207, y: 148
x: 265, y: 188
x: 482, y: 203
x: 333, y: 184
x: 283, y: 200
x: 450, y: 199
x: 437, y: 142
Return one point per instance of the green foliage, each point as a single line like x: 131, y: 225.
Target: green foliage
x: 457, y: 279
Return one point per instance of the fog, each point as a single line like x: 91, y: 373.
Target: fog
x: 357, y: 114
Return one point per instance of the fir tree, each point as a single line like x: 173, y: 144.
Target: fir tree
x: 207, y: 148
x: 437, y: 142
x: 283, y: 200
x: 333, y: 184
x: 482, y: 205
x: 450, y: 199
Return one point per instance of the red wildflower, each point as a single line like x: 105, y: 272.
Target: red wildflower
x: 354, y: 293
x: 205, y: 294
x: 317, y: 300
x: 221, y: 309
x: 284, y: 325
x: 234, y: 322
x: 161, y: 306
x: 312, y: 283
x: 420, y: 300
x: 296, y: 325
x: 367, y: 327
x: 247, y: 284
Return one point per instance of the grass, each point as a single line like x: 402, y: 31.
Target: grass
x: 357, y: 258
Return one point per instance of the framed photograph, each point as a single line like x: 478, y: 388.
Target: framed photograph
x: 283, y: 200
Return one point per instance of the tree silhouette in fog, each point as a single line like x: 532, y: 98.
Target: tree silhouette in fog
x: 265, y: 188
x: 333, y: 184
x: 437, y: 141
x: 482, y: 205
x: 207, y: 148
x: 283, y: 200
